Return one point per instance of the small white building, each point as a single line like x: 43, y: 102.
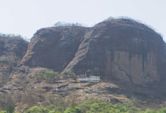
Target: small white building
x: 90, y: 79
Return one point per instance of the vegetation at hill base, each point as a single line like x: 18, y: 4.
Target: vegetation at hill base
x: 89, y: 106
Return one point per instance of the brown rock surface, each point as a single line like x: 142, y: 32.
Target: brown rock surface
x: 12, y: 49
x: 120, y: 50
x: 54, y: 47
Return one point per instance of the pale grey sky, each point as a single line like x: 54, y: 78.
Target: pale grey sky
x: 24, y: 17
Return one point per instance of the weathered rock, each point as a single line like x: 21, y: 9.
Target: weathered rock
x: 120, y: 50
x: 54, y: 47
x: 12, y: 49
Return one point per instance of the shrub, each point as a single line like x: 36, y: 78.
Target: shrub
x: 37, y: 109
x: 3, y: 112
x: 73, y: 110
x: 69, y: 74
x: 47, y: 75
x: 10, y: 109
x: 94, y: 106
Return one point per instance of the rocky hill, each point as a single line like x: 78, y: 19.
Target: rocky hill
x: 128, y: 56
x: 116, y: 49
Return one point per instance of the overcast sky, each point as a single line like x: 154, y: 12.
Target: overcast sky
x: 24, y: 17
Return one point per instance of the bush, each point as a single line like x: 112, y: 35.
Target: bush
x: 73, y: 110
x: 37, y: 109
x: 47, y: 75
x: 10, y: 109
x: 69, y: 74
x: 94, y: 106
x: 42, y: 109
x: 3, y: 112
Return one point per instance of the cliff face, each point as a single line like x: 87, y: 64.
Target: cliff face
x: 116, y: 49
x: 54, y: 47
x: 122, y: 50
x: 12, y: 49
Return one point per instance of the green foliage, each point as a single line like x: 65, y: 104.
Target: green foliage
x: 37, y: 109
x: 96, y: 106
x: 92, y: 106
x: 47, y: 75
x: 162, y: 110
x: 69, y: 74
x: 9, y: 109
x: 3, y: 112
x: 73, y: 110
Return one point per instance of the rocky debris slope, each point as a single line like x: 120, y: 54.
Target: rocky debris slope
x: 33, y: 88
x: 24, y: 90
x: 12, y: 49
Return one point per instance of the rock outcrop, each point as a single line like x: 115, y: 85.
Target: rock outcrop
x: 120, y: 50
x: 54, y: 47
x: 12, y: 49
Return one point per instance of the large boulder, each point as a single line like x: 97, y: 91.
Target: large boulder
x: 122, y: 50
x: 54, y: 47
